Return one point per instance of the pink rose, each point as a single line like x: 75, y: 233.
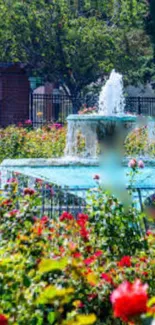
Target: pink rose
x: 132, y: 163
x: 96, y: 177
x: 141, y: 164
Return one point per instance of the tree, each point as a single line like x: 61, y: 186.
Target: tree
x: 151, y: 23
x: 76, y: 42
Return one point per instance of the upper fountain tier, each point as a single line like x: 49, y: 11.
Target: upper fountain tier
x: 111, y: 99
x: 110, y: 125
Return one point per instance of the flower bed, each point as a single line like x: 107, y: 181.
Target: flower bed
x: 73, y: 270
x: 49, y: 141
x: 24, y: 142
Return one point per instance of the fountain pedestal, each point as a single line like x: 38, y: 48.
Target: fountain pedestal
x: 107, y: 131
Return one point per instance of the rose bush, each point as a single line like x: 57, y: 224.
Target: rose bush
x: 25, y: 142
x: 138, y: 143
x: 49, y: 141
x: 68, y: 270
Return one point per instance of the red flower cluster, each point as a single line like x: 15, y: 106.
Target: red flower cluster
x: 29, y: 191
x: 13, y: 213
x: 98, y: 253
x: 40, y: 224
x: 44, y: 220
x: 77, y: 255
x: 3, y: 320
x: 39, y: 181
x: 6, y: 202
x: 92, y: 258
x: 125, y: 261
x: 89, y: 260
x: 129, y: 300
x: 66, y: 216
x: 82, y: 221
x: 107, y: 278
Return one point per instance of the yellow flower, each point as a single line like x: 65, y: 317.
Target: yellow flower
x: 77, y: 303
x: 39, y: 114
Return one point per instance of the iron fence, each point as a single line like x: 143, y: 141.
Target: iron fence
x: 49, y: 108
x: 52, y: 199
x: 52, y: 108
x: 141, y: 105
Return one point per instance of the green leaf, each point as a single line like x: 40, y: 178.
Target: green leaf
x: 26, y: 281
x: 51, y: 317
x: 48, y: 265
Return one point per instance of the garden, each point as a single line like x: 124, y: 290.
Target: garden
x: 95, y: 267
x: 75, y: 251
x: 49, y: 141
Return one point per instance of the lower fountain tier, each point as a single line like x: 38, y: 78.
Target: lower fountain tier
x: 97, y: 130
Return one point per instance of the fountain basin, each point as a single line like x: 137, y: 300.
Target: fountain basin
x: 74, y: 175
x: 96, y: 117
x: 97, y: 130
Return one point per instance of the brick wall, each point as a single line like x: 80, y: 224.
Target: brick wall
x: 14, y: 95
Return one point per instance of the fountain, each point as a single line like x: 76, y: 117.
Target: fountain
x: 111, y: 99
x: 107, y: 128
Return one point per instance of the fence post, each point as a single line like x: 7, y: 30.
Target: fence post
x: 139, y: 105
x: 31, y: 106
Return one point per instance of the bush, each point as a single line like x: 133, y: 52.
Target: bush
x: 63, y: 271
x: 19, y: 142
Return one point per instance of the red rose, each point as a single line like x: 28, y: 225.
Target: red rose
x: 84, y: 233
x: 77, y: 255
x: 107, y: 278
x: 89, y: 260
x: 129, y: 300
x: 149, y: 233
x: 82, y: 219
x: 6, y: 202
x: 13, y: 213
x: 145, y: 273
x: 92, y: 296
x: 3, y: 320
x: 44, y: 219
x: 96, y: 177
x: 98, y: 253
x: 29, y: 191
x: 66, y: 216
x: 125, y: 261
x: 143, y: 259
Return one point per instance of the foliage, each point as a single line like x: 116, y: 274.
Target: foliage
x: 20, y: 142
x: 140, y: 143
x: 77, y: 43
x: 62, y: 271
x: 49, y: 141
x: 150, y: 23
x: 119, y: 224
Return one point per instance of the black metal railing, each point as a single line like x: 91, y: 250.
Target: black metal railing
x: 52, y: 108
x: 52, y: 199
x: 141, y: 105
x: 55, y: 108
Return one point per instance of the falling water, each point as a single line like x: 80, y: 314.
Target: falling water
x: 111, y: 99
x: 110, y: 120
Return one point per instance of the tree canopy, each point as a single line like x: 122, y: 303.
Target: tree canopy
x: 77, y: 41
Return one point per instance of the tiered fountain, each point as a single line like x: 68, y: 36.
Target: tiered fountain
x: 108, y: 127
